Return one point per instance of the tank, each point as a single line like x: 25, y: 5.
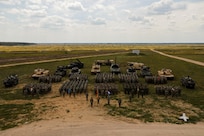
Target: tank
x: 107, y: 62
x: 77, y: 63
x: 166, y: 73
x: 136, y: 65
x: 39, y: 72
x: 95, y: 69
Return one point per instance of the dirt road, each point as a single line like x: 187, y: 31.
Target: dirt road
x: 61, y: 59
x: 103, y: 128
x: 179, y: 58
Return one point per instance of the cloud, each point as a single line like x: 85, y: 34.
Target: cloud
x: 98, y: 21
x: 76, y: 6
x: 10, y: 2
x: 34, y: 13
x: 54, y: 22
x: 2, y: 19
x: 141, y: 19
x: 164, y: 7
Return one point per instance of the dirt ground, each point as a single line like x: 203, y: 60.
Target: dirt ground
x: 74, y: 116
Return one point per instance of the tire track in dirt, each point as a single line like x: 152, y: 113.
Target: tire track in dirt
x: 179, y: 58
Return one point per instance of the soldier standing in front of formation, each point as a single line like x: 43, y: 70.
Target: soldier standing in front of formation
x: 87, y: 96
x: 74, y: 93
x: 108, y: 100
x: 119, y: 102
x: 98, y: 99
x: 91, y: 101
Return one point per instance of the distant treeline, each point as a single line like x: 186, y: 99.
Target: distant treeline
x: 15, y: 44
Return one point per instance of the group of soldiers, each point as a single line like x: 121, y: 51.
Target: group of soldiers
x: 108, y: 97
x: 98, y: 99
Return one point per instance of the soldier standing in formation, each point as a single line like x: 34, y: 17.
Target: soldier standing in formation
x: 91, y: 101
x: 87, y: 96
x: 166, y: 93
x: 130, y: 98
x: 138, y: 92
x: 98, y: 99
x: 119, y: 102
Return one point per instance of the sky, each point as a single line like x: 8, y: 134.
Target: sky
x: 102, y: 21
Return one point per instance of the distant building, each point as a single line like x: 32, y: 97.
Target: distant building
x: 136, y: 52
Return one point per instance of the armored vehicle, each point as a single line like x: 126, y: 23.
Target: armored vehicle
x: 77, y: 63
x: 145, y: 71
x: 114, y: 68
x: 107, y: 62
x: 74, y: 70
x: 188, y: 82
x: 95, y: 69
x: 131, y: 70
x: 166, y: 73
x: 39, y: 72
x: 61, y: 71
x: 11, y: 80
x: 136, y: 65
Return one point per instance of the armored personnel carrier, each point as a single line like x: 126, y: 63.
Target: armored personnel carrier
x: 188, y: 82
x: 74, y: 70
x: 145, y: 71
x: 11, y: 80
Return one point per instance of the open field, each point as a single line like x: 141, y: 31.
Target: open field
x: 152, y: 108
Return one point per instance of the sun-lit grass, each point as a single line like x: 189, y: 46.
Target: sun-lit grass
x: 96, y: 47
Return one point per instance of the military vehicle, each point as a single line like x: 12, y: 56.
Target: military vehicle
x: 131, y: 70
x: 61, y: 71
x: 107, y: 62
x: 74, y: 70
x: 114, y: 68
x: 95, y: 69
x: 136, y: 65
x: 188, y: 82
x: 166, y: 73
x: 39, y: 72
x: 145, y: 71
x: 76, y: 63
x: 11, y: 80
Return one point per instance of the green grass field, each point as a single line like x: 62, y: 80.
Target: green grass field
x: 152, y: 108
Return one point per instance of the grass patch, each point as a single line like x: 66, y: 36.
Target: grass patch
x: 12, y: 115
